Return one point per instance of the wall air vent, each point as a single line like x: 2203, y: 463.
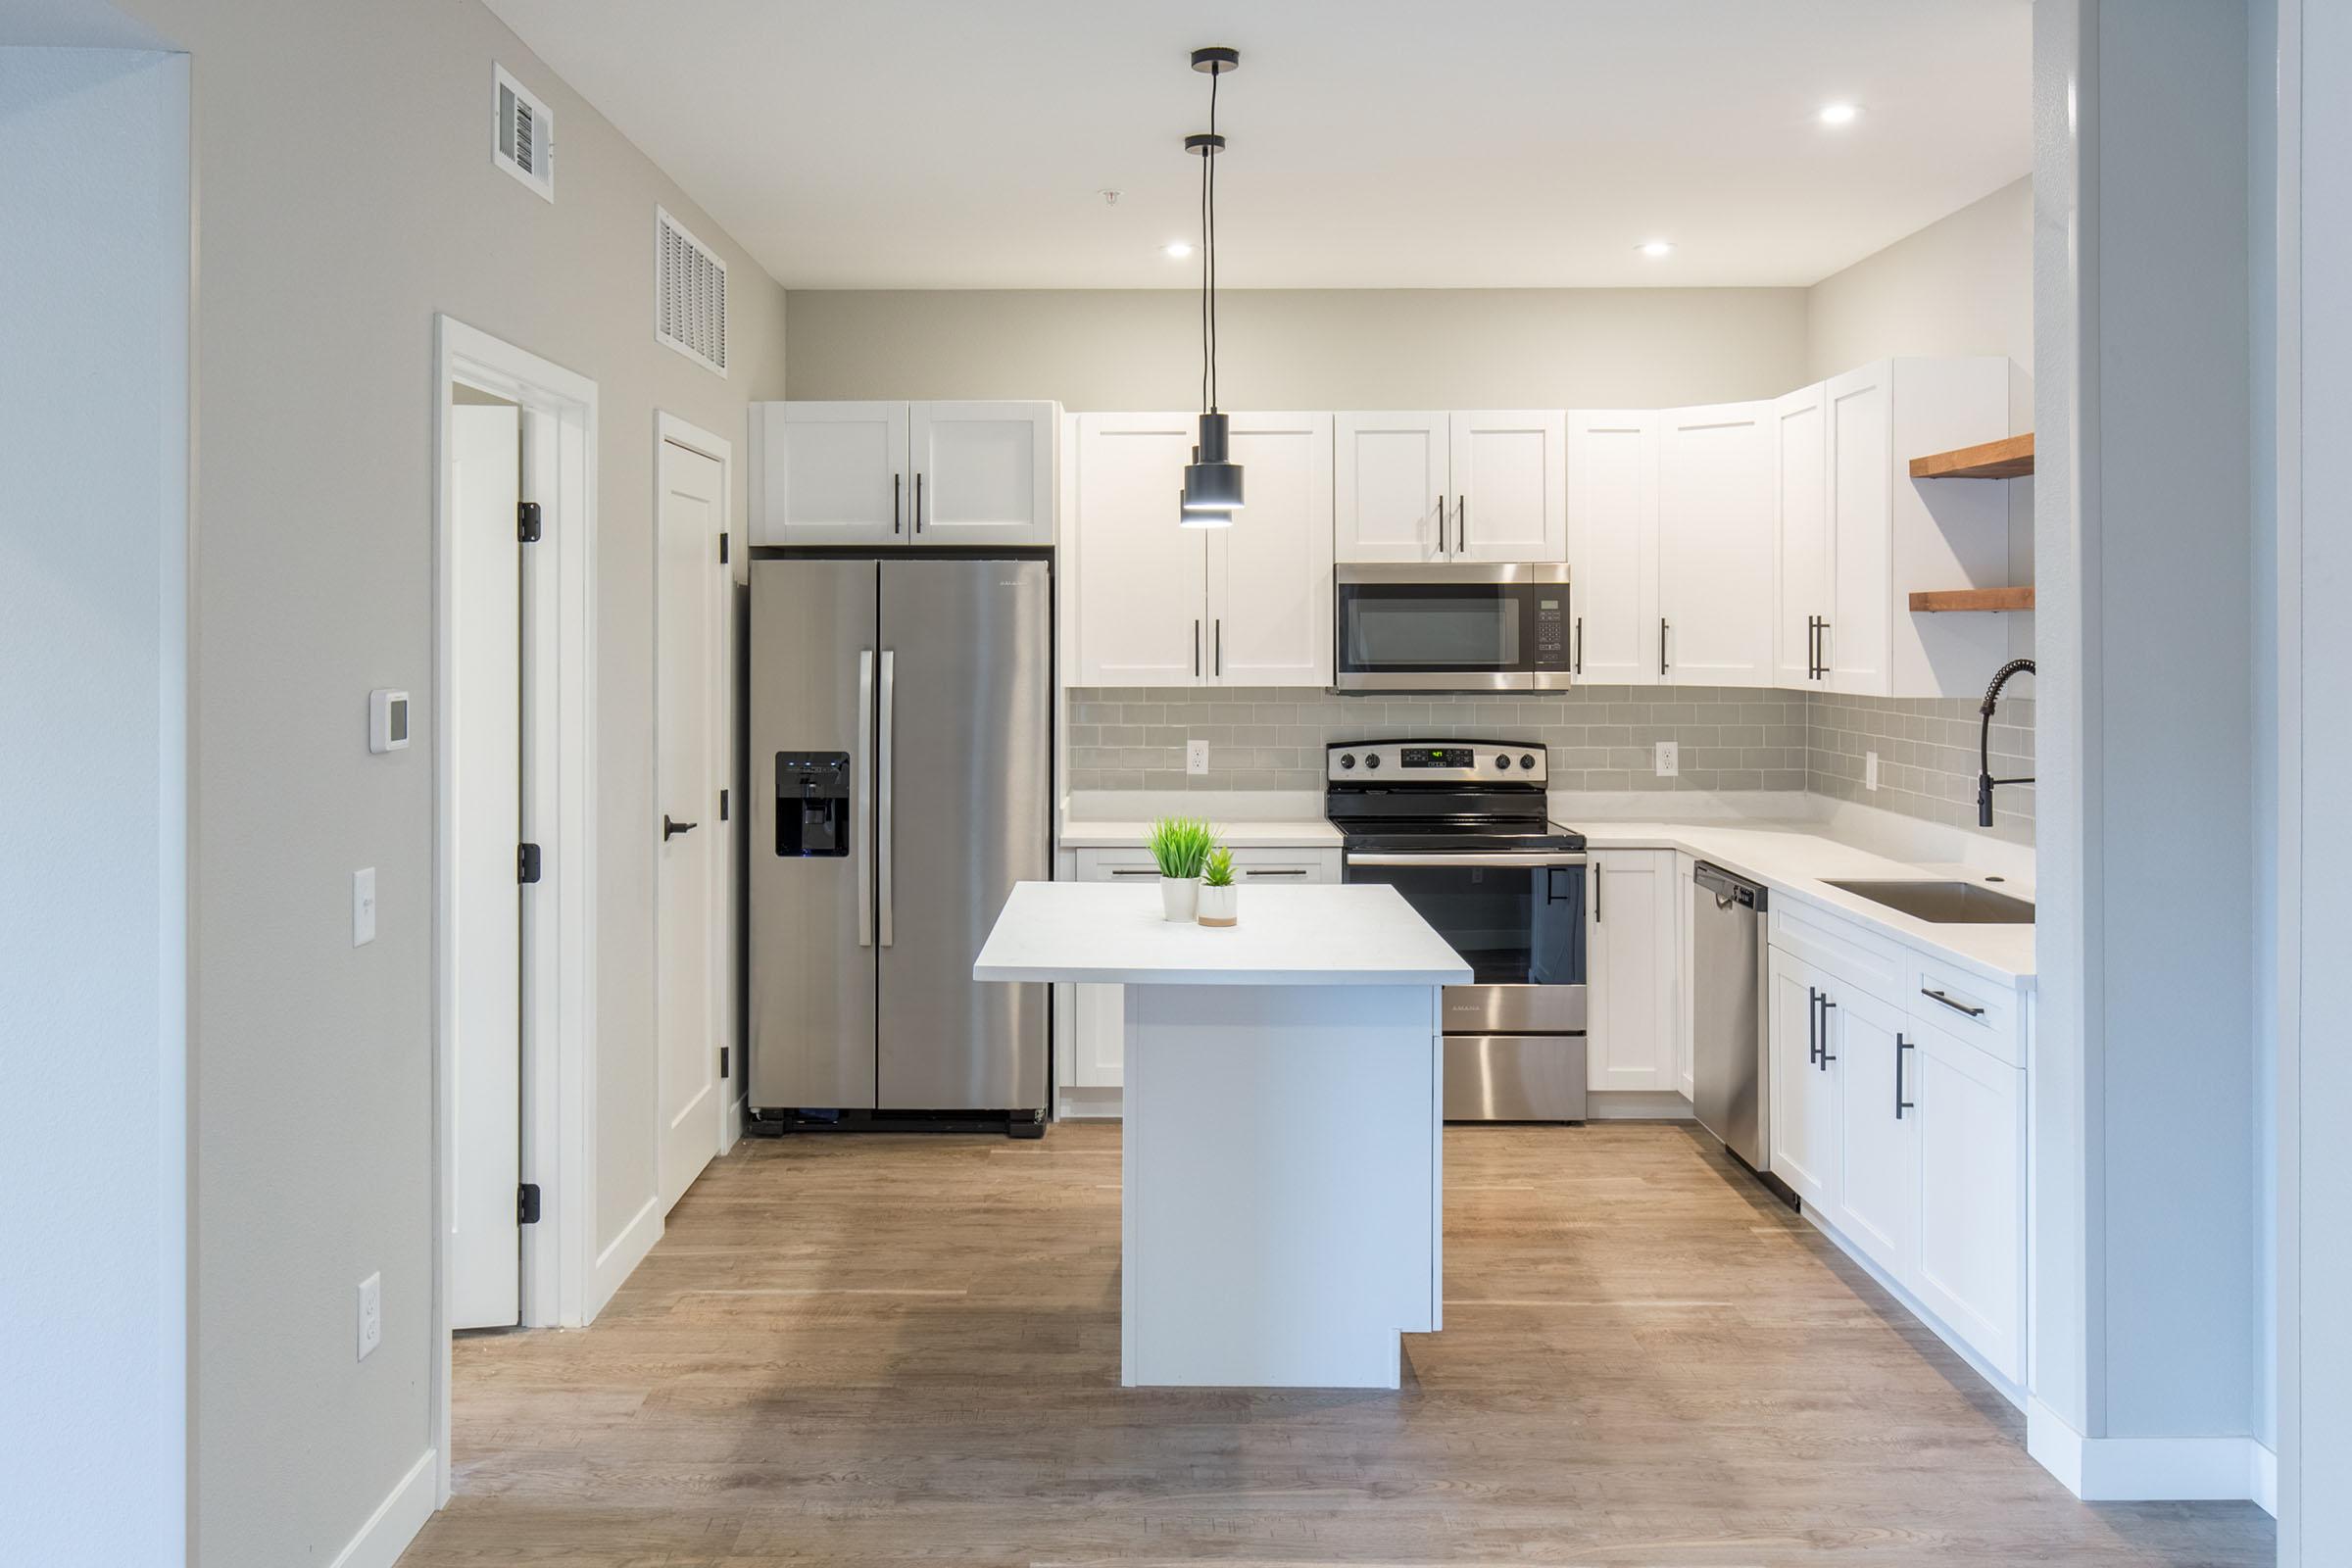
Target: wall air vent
x: 690, y: 295
x: 523, y: 142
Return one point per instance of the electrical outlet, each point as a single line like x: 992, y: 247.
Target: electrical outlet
x: 1670, y: 759
x: 363, y: 906
x: 1195, y: 757
x: 1870, y: 771
x: 371, y: 1313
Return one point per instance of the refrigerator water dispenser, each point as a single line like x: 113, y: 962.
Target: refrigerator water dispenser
x: 812, y: 804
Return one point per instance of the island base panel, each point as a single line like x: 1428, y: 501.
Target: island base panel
x: 1282, y: 1183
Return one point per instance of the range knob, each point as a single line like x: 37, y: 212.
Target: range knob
x: 1502, y: 762
x: 1372, y: 760
x: 1526, y: 761
x: 1347, y: 758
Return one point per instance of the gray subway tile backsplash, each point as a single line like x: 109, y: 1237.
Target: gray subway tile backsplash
x: 1599, y: 738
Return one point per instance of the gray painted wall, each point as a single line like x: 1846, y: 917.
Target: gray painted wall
x: 1962, y: 285
x: 317, y: 285
x: 93, y: 586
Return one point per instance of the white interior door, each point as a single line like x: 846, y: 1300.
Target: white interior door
x: 484, y: 822
x: 687, y: 725
x: 1270, y: 574
x: 1511, y: 486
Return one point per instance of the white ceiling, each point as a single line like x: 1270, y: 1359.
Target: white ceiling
x: 1375, y: 143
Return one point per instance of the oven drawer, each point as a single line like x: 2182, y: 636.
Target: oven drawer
x: 1514, y: 1009
x: 1515, y: 1077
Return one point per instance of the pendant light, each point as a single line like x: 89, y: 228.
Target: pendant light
x: 1213, y: 480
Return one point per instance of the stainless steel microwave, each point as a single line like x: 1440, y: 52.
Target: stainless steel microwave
x: 1452, y: 627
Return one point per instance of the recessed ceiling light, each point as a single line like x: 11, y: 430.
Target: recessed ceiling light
x: 1657, y: 247
x: 1839, y: 114
x: 1178, y: 250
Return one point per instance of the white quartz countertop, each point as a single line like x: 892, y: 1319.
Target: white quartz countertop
x: 1122, y: 835
x: 1796, y: 860
x: 1289, y: 936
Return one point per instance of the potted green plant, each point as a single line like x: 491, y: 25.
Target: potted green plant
x: 1180, y: 846
x: 1220, y: 900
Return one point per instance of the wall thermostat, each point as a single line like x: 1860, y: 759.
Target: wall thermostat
x: 387, y: 720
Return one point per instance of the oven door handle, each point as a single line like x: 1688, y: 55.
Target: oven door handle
x: 1505, y: 857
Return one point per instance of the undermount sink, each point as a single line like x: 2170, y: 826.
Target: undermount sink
x: 1944, y: 903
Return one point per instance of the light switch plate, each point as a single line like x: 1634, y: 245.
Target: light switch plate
x: 363, y: 906
x: 1195, y: 757
x: 1670, y: 759
x: 371, y: 1313
x: 1870, y: 771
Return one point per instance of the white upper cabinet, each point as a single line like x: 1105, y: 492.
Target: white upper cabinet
x: 982, y: 473
x: 1511, y: 486
x: 1861, y: 593
x: 1270, y: 574
x: 1717, y: 552
x: 1164, y: 606
x: 1392, y: 486
x: 1612, y: 547
x: 828, y: 474
x: 902, y: 473
x: 1141, y: 582
x: 1801, y: 455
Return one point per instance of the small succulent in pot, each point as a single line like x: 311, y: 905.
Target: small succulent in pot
x: 1180, y: 846
x: 1219, y: 899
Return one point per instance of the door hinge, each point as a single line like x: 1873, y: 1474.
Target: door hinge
x: 722, y: 805
x: 722, y: 1061
x: 722, y: 549
x: 526, y: 1203
x: 527, y: 863
x: 526, y: 521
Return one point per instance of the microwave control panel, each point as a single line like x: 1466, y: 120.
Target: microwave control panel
x: 1551, y: 631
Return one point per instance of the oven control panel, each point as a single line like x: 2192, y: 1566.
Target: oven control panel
x: 1435, y: 763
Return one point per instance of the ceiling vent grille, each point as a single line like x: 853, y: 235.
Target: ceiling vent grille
x: 525, y: 138
x: 690, y: 295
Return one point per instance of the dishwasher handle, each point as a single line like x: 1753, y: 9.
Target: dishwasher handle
x: 1729, y: 890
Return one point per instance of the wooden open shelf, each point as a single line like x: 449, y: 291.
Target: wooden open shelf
x: 2010, y: 458
x: 1973, y: 599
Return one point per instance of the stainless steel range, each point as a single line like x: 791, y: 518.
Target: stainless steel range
x: 1461, y: 829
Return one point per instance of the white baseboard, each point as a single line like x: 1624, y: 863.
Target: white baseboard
x: 396, y: 1520
x: 2151, y: 1469
x: 1956, y: 1342
x: 1636, y: 1105
x: 616, y: 1262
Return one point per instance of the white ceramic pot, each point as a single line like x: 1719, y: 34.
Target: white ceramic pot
x: 1220, y: 905
x: 1179, y: 896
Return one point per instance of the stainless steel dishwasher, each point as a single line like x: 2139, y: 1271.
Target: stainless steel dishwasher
x: 1728, y: 938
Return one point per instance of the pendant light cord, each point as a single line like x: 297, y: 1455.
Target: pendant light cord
x: 1213, y: 78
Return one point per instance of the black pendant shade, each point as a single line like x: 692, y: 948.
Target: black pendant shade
x: 1213, y: 481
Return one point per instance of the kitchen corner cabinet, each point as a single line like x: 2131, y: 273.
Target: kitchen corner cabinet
x: 1716, y: 549
x: 1485, y: 485
x: 1612, y: 546
x: 903, y: 473
x: 1631, y: 964
x: 1164, y: 606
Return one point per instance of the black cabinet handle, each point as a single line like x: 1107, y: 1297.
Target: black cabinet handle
x: 1661, y: 645
x: 1596, y: 895
x: 1218, y: 658
x: 1580, y: 645
x: 1812, y: 1026
x: 1956, y: 1007
x: 1826, y: 1056
x: 670, y: 830
x: 1461, y: 524
x: 1900, y: 1103
x: 919, y: 501
x: 1812, y: 648
x: 1196, y: 650
x: 897, y: 483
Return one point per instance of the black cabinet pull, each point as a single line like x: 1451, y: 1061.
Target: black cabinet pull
x: 1461, y: 524
x: 1900, y: 1103
x: 1218, y: 658
x: 1661, y: 645
x: 898, y: 482
x: 1580, y: 645
x: 1196, y: 650
x: 1826, y: 1056
x: 1956, y: 1007
x: 1812, y: 1026
x: 1596, y: 894
x: 919, y: 501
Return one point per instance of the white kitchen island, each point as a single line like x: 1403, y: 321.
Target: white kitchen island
x: 1281, y: 1183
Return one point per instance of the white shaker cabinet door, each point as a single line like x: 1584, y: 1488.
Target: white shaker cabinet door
x: 1860, y: 405
x: 1141, y: 580
x: 1631, y: 964
x: 1716, y: 551
x: 1270, y: 574
x: 829, y: 473
x: 1612, y: 546
x: 1804, y: 1098
x: 1971, y: 1110
x: 1801, y: 453
x: 1510, y: 486
x: 1392, y: 486
x: 980, y: 474
x: 1877, y: 1129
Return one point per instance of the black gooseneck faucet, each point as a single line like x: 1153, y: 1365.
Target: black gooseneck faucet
x: 1985, y: 779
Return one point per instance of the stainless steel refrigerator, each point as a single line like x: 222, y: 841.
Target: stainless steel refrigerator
x: 900, y: 781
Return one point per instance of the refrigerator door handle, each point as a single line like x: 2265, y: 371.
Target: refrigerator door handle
x: 863, y: 789
x: 884, y: 831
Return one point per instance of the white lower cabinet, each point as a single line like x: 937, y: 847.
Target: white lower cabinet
x: 1631, y: 970
x: 1091, y: 1020
x: 1904, y: 1132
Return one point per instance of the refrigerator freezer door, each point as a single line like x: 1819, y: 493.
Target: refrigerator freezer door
x: 967, y: 789
x: 813, y: 625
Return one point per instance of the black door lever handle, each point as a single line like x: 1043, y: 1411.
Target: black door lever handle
x: 670, y: 830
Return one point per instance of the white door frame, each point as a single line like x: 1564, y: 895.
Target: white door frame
x: 669, y: 428
x: 558, y: 955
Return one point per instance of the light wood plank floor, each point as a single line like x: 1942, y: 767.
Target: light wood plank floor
x: 892, y: 1348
